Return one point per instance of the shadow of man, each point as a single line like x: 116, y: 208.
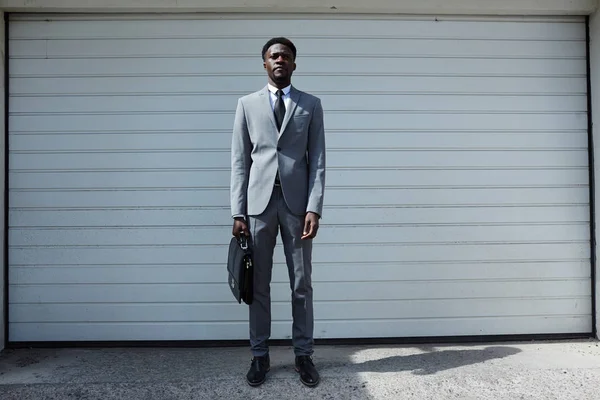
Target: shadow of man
x: 435, y: 360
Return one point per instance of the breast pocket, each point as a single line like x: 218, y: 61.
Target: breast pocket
x: 301, y: 121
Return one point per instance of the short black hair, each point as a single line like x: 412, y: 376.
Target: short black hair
x: 279, y: 40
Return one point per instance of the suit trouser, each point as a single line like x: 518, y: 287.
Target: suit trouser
x: 263, y: 230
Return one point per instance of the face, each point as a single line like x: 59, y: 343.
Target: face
x: 279, y: 64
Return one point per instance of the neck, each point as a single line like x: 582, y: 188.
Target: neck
x: 280, y: 85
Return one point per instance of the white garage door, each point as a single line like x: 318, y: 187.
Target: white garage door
x: 457, y: 200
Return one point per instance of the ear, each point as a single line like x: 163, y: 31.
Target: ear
x: 264, y: 64
x: 294, y: 66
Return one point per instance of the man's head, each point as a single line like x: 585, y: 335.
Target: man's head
x: 279, y: 56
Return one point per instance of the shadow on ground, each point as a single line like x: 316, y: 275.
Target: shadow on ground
x: 434, y: 360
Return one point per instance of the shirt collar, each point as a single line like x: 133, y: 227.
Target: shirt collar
x: 274, y: 90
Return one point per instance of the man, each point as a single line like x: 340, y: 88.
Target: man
x: 277, y: 183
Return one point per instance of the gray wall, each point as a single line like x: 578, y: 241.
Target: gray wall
x: 2, y: 155
x: 595, y: 80
x: 382, y: 6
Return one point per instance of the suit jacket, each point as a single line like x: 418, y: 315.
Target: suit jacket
x: 258, y: 150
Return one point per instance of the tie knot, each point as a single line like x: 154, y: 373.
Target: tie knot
x: 280, y: 93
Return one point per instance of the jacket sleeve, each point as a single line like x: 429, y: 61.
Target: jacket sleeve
x: 241, y: 160
x: 316, y: 161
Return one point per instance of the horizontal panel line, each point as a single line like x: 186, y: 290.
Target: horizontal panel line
x: 221, y: 188
x: 323, y: 225
x: 335, y: 206
x: 285, y: 282
x: 566, y: 149
x: 388, y: 263
x: 330, y: 187
x: 341, y: 302
x: 327, y: 207
x: 305, y: 74
x: 317, y: 320
x: 189, y: 93
x: 551, y: 20
x: 329, y: 111
x: 491, y: 134
x: 163, y: 323
x: 165, y: 189
x: 319, y: 93
x: 332, y: 149
x: 283, y: 264
x: 509, y: 132
x: 126, y: 151
x: 227, y: 169
x: 319, y: 244
x: 304, y: 56
x: 367, y: 36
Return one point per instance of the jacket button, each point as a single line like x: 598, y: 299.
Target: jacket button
x: 279, y: 149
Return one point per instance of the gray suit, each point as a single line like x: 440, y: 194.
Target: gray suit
x: 258, y: 152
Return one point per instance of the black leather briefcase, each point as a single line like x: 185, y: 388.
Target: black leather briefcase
x: 240, y: 267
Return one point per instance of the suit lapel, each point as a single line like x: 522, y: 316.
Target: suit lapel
x: 266, y: 100
x: 294, y: 98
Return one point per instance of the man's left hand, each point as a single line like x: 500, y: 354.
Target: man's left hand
x: 311, y: 226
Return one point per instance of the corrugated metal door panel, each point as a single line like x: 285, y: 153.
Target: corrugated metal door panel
x: 458, y: 188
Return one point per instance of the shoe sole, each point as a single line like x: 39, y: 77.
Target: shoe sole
x: 255, y: 384
x: 307, y: 383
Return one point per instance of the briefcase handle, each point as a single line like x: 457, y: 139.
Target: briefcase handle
x: 243, y: 242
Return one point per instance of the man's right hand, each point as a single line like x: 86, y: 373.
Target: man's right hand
x: 240, y: 228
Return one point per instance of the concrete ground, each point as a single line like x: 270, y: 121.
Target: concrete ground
x: 533, y: 370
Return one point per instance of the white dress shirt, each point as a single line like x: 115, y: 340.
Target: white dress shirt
x: 286, y: 96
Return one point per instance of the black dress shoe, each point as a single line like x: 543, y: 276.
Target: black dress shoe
x: 257, y: 375
x: 308, y: 373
